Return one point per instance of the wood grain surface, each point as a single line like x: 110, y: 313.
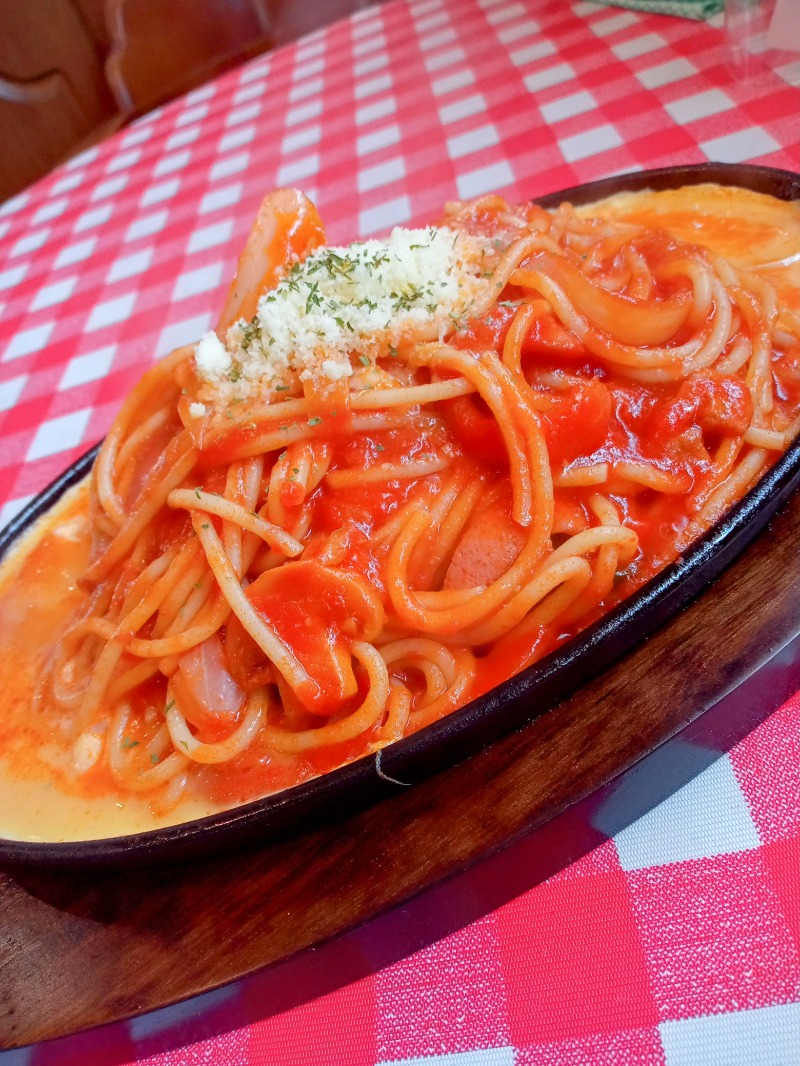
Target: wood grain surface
x: 78, y: 950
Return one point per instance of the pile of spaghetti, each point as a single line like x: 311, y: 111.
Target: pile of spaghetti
x: 299, y: 557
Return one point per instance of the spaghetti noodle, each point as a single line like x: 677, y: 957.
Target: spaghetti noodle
x: 296, y: 561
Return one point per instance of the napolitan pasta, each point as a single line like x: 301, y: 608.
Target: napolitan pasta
x: 395, y: 475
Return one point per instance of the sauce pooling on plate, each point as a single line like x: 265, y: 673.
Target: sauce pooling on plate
x: 395, y: 475
x: 38, y: 594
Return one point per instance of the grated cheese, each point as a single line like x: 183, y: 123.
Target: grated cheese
x: 342, y: 308
x: 211, y: 357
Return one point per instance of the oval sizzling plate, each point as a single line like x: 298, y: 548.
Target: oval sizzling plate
x: 511, y: 705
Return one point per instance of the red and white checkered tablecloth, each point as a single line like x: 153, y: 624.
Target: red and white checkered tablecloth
x: 678, y: 941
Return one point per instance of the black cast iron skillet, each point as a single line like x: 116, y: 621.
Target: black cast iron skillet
x: 507, y: 707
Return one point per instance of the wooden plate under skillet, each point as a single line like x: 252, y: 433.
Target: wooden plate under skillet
x: 81, y: 947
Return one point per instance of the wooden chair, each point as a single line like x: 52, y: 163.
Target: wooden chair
x: 73, y: 71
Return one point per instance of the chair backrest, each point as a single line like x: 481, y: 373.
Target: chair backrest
x: 53, y: 91
x: 73, y: 71
x: 157, y: 51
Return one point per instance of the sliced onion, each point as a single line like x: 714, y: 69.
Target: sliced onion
x: 287, y: 227
x: 638, y: 323
x: 205, y: 675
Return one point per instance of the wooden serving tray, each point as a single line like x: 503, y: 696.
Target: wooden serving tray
x: 79, y: 949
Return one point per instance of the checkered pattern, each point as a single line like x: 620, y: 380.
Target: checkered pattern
x: 679, y: 941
